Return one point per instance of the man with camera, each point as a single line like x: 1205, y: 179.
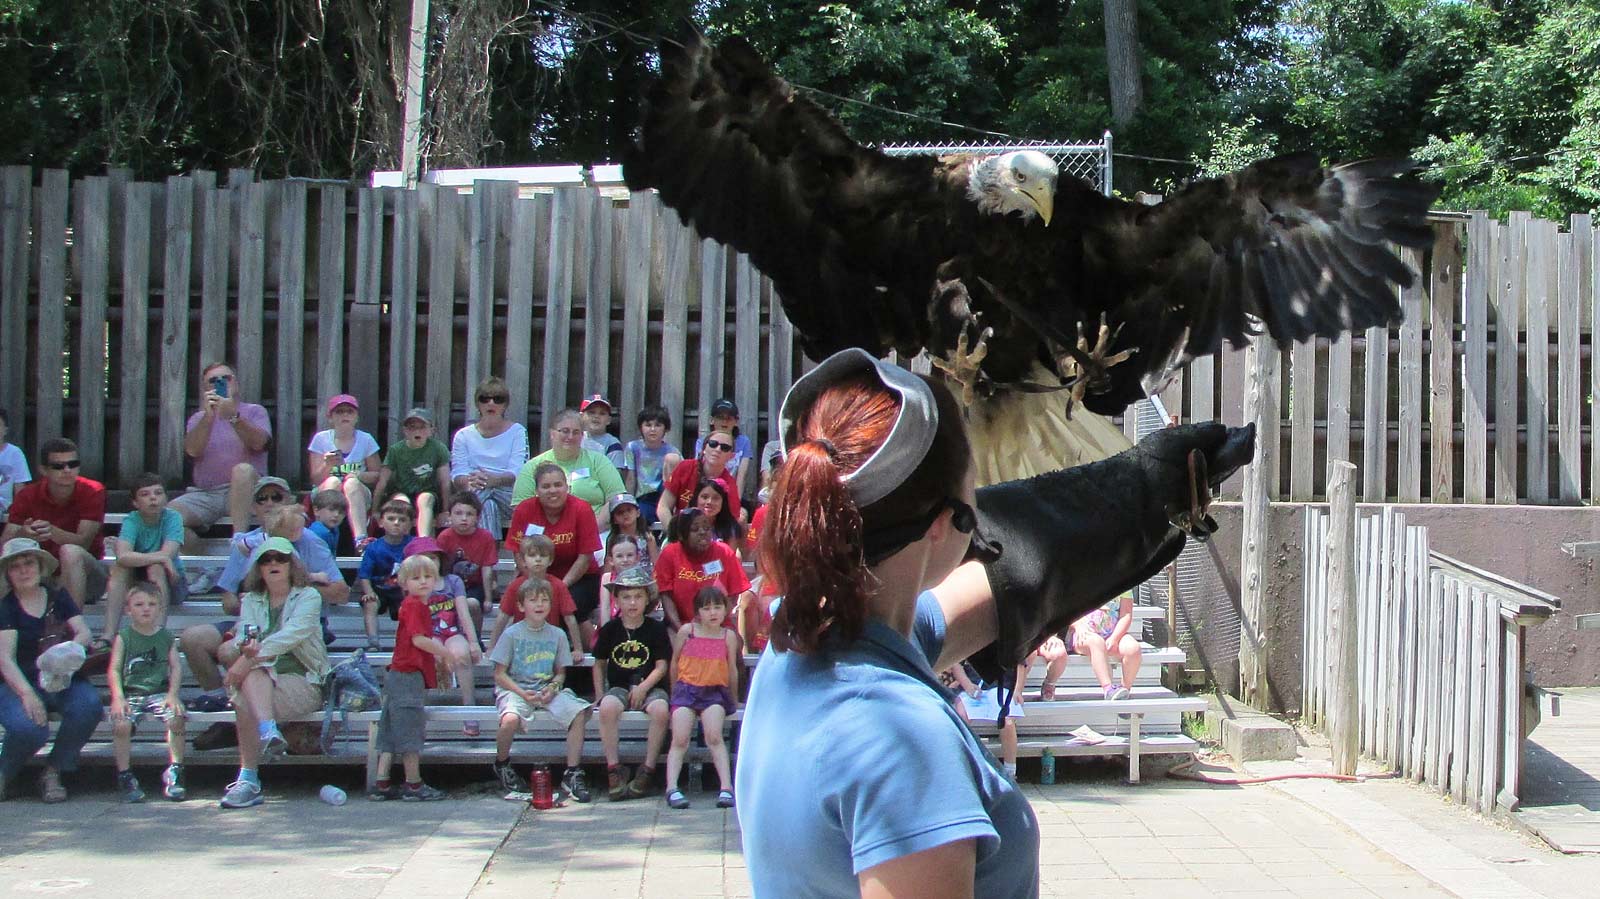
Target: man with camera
x: 227, y: 439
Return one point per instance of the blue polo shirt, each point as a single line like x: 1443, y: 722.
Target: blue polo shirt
x: 852, y: 757
x: 313, y: 553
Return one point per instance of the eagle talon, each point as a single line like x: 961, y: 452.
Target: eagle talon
x: 1088, y: 366
x: 964, y: 367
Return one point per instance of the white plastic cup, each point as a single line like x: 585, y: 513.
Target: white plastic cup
x: 332, y: 795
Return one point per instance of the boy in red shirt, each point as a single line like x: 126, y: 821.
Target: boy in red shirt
x: 470, y: 552
x: 533, y: 560
x: 412, y: 672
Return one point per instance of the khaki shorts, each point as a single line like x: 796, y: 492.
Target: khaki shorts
x: 565, y: 707
x: 208, y: 505
x: 621, y: 693
x: 293, y: 696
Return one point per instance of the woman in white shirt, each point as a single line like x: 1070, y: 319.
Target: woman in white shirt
x: 486, y: 455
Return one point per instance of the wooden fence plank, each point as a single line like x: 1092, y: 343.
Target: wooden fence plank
x: 50, y: 234
x: 1589, y: 305
x: 481, y: 211
x: 1375, y: 418
x: 1508, y: 742
x: 1477, y: 714
x: 1461, y: 716
x: 1411, y: 415
x: 747, y: 351
x: 597, y: 305
x: 1231, y: 406
x: 678, y: 245
x: 91, y: 234
x: 175, y: 297
x: 1509, y: 289
x: 713, y: 322
x: 636, y: 255
x: 405, y: 282
x: 1475, y: 400
x: 525, y: 225
x: 250, y: 323
x: 331, y: 227
x: 217, y: 236
x: 582, y: 243
x: 1541, y: 300
x: 1444, y: 721
x: 1489, y: 733
x: 558, y: 308
x: 446, y: 238
x: 1444, y: 293
x: 288, y: 447
x: 134, y: 335
x: 1302, y: 419
x: 1569, y: 382
x: 16, y: 227
x: 1202, y: 389
x: 780, y: 360
x: 1338, y: 440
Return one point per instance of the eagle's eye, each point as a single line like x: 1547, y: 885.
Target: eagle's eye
x: 1021, y: 178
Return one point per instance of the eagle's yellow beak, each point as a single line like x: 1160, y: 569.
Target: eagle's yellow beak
x: 1043, y: 198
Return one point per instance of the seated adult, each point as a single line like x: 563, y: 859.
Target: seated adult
x: 716, y: 450
x: 202, y: 643
x: 741, y: 461
x: 692, y: 560
x: 276, y: 661
x: 565, y: 521
x: 590, y: 475
x: 32, y: 617
x: 64, y: 512
x: 345, y: 459
x: 486, y: 455
x: 227, y: 439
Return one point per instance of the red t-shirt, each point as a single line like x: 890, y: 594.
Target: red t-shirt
x: 681, y: 575
x: 469, y: 555
x: 415, y: 621
x: 686, y: 477
x: 573, y: 532
x: 87, y: 503
x: 561, y: 604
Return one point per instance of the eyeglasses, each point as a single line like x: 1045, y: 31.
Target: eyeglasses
x: 272, y: 498
x: 568, y: 432
x: 63, y: 466
x: 499, y: 399
x: 719, y: 445
x: 273, y: 559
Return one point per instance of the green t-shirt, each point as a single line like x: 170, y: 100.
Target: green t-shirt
x: 416, y: 470
x: 590, y: 477
x: 288, y: 663
x: 144, y: 661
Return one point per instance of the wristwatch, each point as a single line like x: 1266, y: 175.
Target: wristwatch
x: 234, y: 420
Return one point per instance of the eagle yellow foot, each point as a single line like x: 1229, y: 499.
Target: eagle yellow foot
x: 963, y: 366
x: 1087, y: 366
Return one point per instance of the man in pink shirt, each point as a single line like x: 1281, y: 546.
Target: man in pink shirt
x: 227, y: 439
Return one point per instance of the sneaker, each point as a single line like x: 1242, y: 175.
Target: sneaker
x: 643, y: 783
x: 676, y: 799
x: 172, y: 783
x: 242, y: 794
x: 576, y: 785
x: 373, y: 645
x: 509, y: 781
x: 617, y: 783
x: 50, y: 788
x: 724, y: 799
x: 383, y: 794
x: 273, y: 746
x: 421, y: 793
x: 128, y: 786
x: 1120, y: 693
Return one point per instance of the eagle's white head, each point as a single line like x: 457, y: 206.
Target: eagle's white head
x: 1023, y: 181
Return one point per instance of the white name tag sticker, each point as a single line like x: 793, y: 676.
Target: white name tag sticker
x: 580, y: 472
x: 712, y: 567
x: 532, y: 529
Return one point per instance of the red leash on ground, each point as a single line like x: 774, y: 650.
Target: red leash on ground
x: 1182, y: 773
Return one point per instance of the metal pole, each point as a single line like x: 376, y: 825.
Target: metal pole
x: 416, y: 63
x: 1342, y: 682
x: 1105, y: 166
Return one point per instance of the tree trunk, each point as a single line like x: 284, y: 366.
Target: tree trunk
x: 1122, y: 60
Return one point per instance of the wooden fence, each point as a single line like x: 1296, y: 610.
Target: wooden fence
x: 409, y: 297
x: 1439, y: 654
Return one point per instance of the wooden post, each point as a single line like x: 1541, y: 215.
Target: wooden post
x: 1261, y: 407
x: 1341, y: 682
x: 416, y: 64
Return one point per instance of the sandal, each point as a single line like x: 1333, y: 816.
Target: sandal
x: 1047, y: 692
x: 724, y: 799
x: 676, y: 799
x: 50, y: 788
x: 471, y: 729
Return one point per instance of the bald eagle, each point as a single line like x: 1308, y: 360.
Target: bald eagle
x: 1030, y: 289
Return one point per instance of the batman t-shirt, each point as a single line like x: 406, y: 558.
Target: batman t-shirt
x: 631, y: 653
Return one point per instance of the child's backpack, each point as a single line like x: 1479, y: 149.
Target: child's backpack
x: 351, y: 687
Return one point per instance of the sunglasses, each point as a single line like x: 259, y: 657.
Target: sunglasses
x: 568, y: 432
x: 272, y: 498
x: 717, y: 444
x: 273, y: 559
x: 499, y: 399
x: 63, y: 466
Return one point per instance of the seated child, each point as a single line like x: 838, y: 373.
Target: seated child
x: 970, y: 688
x: 329, y: 508
x: 648, y: 460
x: 534, y: 555
x: 404, y: 723
x: 530, y: 676
x: 144, y: 675
x: 622, y: 554
x: 626, y: 522
x: 470, y: 552
x: 1103, y: 635
x: 417, y: 468
x: 631, y: 657
x: 377, y: 580
x: 706, y: 659
x: 452, y: 614
x: 148, y: 547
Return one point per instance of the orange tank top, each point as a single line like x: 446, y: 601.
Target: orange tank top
x: 704, y: 662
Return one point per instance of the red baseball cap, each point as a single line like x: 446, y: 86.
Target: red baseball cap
x: 595, y: 398
x: 343, y: 399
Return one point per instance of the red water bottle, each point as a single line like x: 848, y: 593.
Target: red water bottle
x: 542, y: 798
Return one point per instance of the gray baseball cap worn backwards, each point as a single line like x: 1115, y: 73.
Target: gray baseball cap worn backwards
x: 909, y: 439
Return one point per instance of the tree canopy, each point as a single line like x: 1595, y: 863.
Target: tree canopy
x: 1499, y: 98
